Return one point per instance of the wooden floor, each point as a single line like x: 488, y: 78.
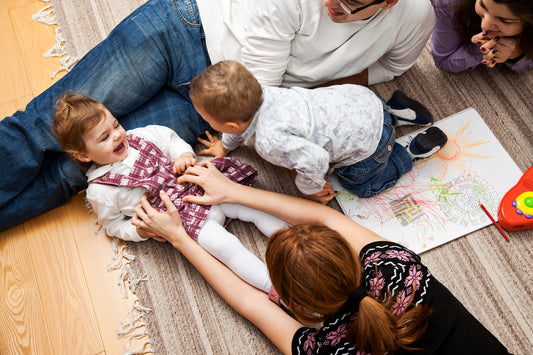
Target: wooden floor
x: 56, y: 296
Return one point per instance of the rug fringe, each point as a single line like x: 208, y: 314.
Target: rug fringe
x: 127, y: 278
x: 46, y: 16
x: 140, y: 350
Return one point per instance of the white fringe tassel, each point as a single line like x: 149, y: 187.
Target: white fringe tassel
x: 46, y: 16
x: 127, y: 278
x: 134, y: 320
x: 139, y: 350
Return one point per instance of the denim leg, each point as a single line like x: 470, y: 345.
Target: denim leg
x: 381, y: 170
x: 141, y: 72
x: 171, y: 108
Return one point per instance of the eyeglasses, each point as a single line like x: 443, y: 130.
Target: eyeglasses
x: 347, y: 9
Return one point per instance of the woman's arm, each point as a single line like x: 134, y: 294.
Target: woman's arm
x: 250, y: 302
x: 448, y: 52
x: 219, y: 189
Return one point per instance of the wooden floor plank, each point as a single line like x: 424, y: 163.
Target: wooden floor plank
x: 13, y: 4
x: 13, y: 74
x: 22, y: 326
x: 64, y: 295
x: 95, y: 252
x: 9, y: 107
x: 33, y: 39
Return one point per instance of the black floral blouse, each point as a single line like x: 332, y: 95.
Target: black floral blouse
x: 389, y: 268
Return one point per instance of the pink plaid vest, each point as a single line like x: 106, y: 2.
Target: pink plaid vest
x: 153, y: 171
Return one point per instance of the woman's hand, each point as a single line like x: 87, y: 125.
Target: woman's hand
x: 503, y: 49
x: 168, y: 225
x: 214, y: 146
x: 481, y: 39
x: 218, y: 188
x: 498, y: 49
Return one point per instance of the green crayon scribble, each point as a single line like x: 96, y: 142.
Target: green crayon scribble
x: 345, y: 196
x: 442, y: 190
x: 479, y: 188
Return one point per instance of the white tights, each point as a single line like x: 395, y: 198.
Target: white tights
x: 227, y: 248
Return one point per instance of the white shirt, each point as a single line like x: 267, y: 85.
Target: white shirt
x: 115, y: 205
x: 295, y: 43
x: 314, y: 131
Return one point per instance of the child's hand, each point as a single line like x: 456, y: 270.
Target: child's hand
x: 214, y: 146
x: 183, y: 162
x: 324, y: 196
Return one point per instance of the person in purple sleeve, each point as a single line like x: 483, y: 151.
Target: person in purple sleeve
x: 126, y: 165
x: 472, y: 32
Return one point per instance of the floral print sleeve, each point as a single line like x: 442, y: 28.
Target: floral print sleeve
x: 387, y: 268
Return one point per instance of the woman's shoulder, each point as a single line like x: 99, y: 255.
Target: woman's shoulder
x: 391, y: 266
x: 387, y: 250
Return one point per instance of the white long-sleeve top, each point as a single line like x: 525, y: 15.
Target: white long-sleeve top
x: 295, y: 43
x: 115, y: 205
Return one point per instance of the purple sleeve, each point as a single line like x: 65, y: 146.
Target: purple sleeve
x: 446, y: 47
x: 521, y: 66
x: 449, y: 53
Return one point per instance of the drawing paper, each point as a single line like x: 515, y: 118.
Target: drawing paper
x: 437, y: 201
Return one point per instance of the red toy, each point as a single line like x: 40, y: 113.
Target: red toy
x: 516, y: 209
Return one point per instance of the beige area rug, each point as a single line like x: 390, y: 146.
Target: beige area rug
x: 492, y: 277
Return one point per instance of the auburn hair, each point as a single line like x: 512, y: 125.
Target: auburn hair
x: 227, y: 91
x: 467, y: 22
x: 75, y: 114
x: 315, y: 270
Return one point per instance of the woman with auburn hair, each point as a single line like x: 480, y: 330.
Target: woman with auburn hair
x: 356, y: 292
x: 472, y: 32
x: 306, y: 262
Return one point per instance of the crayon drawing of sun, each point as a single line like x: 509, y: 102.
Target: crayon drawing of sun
x: 458, y: 151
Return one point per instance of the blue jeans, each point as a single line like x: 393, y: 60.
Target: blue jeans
x: 382, y: 169
x: 141, y: 72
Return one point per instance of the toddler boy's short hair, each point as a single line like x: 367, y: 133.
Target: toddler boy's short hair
x: 227, y: 91
x: 75, y: 114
